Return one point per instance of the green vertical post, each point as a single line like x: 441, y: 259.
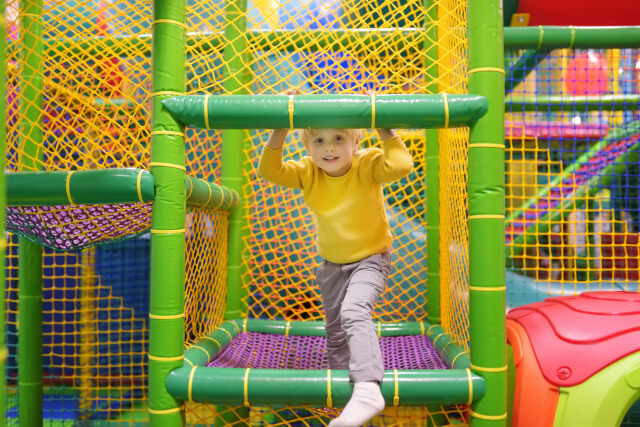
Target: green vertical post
x: 166, y: 316
x: 432, y: 215
x: 487, y: 296
x: 236, y: 77
x: 31, y: 136
x: 3, y: 201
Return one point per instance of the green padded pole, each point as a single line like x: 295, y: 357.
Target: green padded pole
x: 31, y: 135
x: 237, y: 77
x: 310, y: 387
x: 166, y: 316
x: 573, y: 103
x: 106, y: 186
x: 96, y: 186
x: 3, y: 247
x: 236, y: 81
x: 487, y: 296
x: 29, y: 333
x: 432, y: 176
x: 204, y: 194
x: 320, y: 111
x: 571, y: 37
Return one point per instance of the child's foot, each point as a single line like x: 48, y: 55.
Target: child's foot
x: 366, y: 402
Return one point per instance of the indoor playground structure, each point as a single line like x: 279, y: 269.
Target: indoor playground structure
x: 153, y: 278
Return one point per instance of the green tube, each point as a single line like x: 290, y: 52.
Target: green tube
x: 310, y: 387
x: 450, y: 352
x: 205, y: 194
x: 166, y: 307
x: 520, y: 69
x: 98, y: 186
x: 573, y: 103
x: 31, y: 85
x: 212, y: 345
x: 30, y: 333
x: 318, y: 111
x: 316, y: 329
x: 571, y: 37
x: 236, y: 81
x: 432, y: 176
x: 237, y: 78
x: 487, y: 300
x: 31, y: 137
x: 3, y: 201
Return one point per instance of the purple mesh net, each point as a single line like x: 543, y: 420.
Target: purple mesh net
x: 271, y: 351
x: 72, y: 228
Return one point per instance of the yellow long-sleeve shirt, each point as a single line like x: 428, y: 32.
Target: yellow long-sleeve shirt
x: 351, y: 222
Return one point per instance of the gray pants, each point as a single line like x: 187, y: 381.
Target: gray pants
x: 349, y: 292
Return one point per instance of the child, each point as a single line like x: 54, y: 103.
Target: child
x: 343, y: 188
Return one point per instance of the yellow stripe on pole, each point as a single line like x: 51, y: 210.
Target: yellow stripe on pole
x: 329, y: 398
x: 246, y: 388
x: 68, y: 187
x: 190, y: 386
x: 139, y: 186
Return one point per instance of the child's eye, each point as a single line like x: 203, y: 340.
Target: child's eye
x: 319, y: 141
x: 339, y: 138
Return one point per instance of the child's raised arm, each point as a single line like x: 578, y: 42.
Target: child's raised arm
x: 385, y: 134
x: 277, y: 138
x: 396, y: 161
x: 272, y: 168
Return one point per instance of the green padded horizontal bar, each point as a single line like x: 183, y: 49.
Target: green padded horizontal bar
x: 326, y: 111
x: 201, y: 193
x: 573, y: 103
x: 106, y: 186
x: 316, y: 329
x: 571, y: 37
x: 309, y: 387
x: 98, y: 186
x: 450, y: 352
x: 211, y: 345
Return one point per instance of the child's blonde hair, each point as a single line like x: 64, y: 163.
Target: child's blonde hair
x: 305, y: 135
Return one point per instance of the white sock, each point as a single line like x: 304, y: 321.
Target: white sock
x: 366, y: 402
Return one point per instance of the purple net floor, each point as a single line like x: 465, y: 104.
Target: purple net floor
x: 272, y: 351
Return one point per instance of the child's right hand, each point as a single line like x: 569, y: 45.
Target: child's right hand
x: 278, y: 136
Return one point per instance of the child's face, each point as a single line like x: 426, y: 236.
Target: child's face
x: 332, y: 150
